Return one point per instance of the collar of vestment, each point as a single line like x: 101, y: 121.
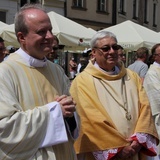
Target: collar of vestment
x: 97, y: 72
x: 112, y: 72
x: 31, y: 60
x: 156, y: 64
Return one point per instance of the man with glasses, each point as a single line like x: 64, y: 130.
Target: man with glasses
x: 152, y: 87
x: 114, y: 111
x: 2, y: 49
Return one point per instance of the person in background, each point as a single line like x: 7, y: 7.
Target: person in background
x: 72, y: 68
x: 53, y: 55
x: 9, y: 50
x: 86, y: 55
x: 37, y: 114
x: 150, y: 60
x: 140, y: 66
x: 6, y: 54
x: 121, y: 54
x: 83, y: 62
x: 115, y: 115
x: 2, y: 49
x: 152, y: 87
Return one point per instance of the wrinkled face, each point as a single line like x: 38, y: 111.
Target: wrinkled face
x: 157, y: 55
x: 106, y: 53
x: 39, y: 39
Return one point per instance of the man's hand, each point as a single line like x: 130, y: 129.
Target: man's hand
x: 136, y: 146
x: 67, y: 105
x: 129, y: 151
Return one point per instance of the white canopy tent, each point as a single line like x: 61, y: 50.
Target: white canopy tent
x: 8, y: 34
x: 132, y: 36
x: 2, y: 24
x: 74, y: 36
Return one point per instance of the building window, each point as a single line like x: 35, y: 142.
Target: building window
x: 79, y: 3
x: 3, y: 16
x: 154, y: 15
x: 23, y: 2
x: 122, y: 7
x: 146, y: 11
x: 135, y: 9
x: 102, y: 5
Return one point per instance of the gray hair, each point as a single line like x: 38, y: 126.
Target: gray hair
x: 20, y: 19
x: 99, y: 35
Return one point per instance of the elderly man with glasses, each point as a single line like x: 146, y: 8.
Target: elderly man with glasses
x: 116, y: 120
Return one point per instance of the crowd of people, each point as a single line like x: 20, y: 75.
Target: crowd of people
x: 108, y: 112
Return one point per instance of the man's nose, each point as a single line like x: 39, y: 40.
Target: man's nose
x: 49, y: 34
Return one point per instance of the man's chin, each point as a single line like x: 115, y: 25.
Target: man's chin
x: 112, y: 62
x: 47, y: 50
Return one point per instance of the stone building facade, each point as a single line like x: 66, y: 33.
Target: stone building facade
x: 95, y: 14
x: 98, y: 14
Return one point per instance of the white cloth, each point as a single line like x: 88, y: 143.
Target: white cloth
x: 56, y: 131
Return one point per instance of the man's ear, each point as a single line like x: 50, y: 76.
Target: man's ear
x: 21, y: 37
x: 93, y: 52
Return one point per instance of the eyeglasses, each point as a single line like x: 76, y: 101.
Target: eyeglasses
x: 121, y: 55
x: 107, y: 48
x: 156, y: 54
x: 55, y: 48
x: 2, y: 49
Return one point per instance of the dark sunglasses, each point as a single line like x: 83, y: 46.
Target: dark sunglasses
x: 156, y: 54
x: 55, y: 48
x: 2, y: 49
x: 107, y: 48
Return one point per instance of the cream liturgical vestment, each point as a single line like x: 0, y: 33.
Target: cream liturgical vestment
x: 24, y: 93
x: 112, y: 108
x: 152, y: 87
